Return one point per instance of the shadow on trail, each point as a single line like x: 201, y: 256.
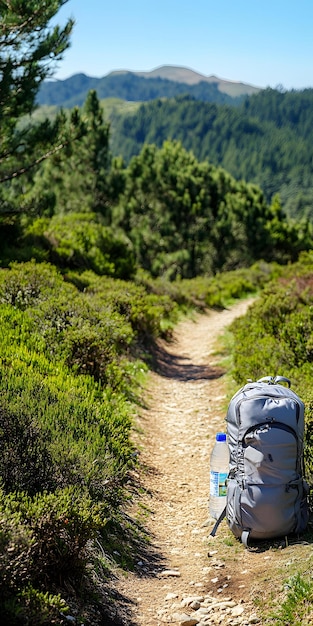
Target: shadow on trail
x: 136, y: 545
x: 136, y: 551
x: 181, y: 368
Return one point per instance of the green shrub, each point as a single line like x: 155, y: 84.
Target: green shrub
x: 66, y: 379
x: 81, y: 241
x: 25, y: 461
x: 41, y: 608
x: 275, y: 334
x: 297, y: 608
x: 275, y: 338
x: 27, y: 283
x: 43, y: 542
x: 219, y: 291
x: 146, y: 312
x: 86, y: 429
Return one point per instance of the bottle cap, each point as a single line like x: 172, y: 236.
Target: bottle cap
x: 220, y: 437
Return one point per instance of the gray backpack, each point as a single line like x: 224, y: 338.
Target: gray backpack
x: 266, y: 491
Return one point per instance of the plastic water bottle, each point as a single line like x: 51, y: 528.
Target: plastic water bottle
x: 219, y: 467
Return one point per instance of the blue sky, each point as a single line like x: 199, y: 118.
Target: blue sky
x: 260, y: 42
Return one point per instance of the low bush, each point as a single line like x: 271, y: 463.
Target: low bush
x: 297, y: 607
x: 69, y: 372
x: 275, y: 338
x: 80, y: 241
x: 53, y: 529
x: 43, y: 543
x: 25, y: 460
x: 149, y: 314
x: 213, y: 292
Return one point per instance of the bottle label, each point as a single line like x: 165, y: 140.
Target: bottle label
x: 218, y: 485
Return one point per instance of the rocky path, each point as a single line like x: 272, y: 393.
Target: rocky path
x: 177, y: 582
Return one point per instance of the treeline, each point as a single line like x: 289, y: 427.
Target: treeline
x: 164, y: 212
x: 266, y: 140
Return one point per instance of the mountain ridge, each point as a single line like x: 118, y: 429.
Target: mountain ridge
x: 163, y: 82
x: 188, y: 76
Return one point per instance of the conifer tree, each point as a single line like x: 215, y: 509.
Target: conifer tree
x: 84, y: 179
x: 29, y: 50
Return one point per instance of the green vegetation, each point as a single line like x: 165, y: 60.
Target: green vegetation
x: 166, y: 213
x: 128, y: 86
x: 186, y: 218
x: 266, y: 140
x: 29, y: 48
x: 276, y: 337
x: 296, y: 609
x: 69, y: 374
x: 99, y: 259
x: 74, y: 351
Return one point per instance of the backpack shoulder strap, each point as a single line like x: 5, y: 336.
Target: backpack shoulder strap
x: 217, y: 523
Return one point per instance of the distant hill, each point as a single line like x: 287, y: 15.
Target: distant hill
x: 190, y: 77
x: 163, y: 82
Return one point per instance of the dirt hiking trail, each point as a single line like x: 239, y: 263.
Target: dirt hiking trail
x: 186, y: 577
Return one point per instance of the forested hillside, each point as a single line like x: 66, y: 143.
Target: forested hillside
x: 266, y: 140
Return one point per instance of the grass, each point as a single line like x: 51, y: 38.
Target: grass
x: 275, y: 581
x: 297, y: 608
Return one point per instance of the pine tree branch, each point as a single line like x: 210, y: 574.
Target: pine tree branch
x: 29, y: 167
